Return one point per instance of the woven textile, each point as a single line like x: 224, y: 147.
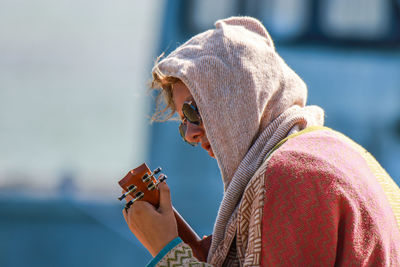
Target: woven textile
x: 181, y: 255
x: 324, y: 206
x: 392, y: 190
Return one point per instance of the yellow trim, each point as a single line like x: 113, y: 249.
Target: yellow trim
x: 391, y: 189
x: 306, y: 130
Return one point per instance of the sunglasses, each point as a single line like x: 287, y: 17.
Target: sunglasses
x: 191, y: 114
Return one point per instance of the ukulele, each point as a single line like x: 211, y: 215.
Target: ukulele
x: 142, y: 185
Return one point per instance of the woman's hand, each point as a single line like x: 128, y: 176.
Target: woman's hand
x: 154, y: 228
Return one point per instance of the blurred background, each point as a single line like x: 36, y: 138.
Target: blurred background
x: 74, y: 110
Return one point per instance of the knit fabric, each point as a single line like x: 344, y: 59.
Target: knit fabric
x: 248, y: 98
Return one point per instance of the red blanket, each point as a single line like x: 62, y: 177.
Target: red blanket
x: 325, y: 207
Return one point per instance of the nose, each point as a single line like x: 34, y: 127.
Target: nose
x: 194, y: 132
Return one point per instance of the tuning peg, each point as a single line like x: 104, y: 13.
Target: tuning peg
x: 131, y: 189
x: 138, y: 196
x: 157, y: 170
x: 162, y: 178
x: 151, y: 186
x: 146, y: 178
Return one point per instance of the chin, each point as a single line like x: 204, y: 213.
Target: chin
x: 211, y: 153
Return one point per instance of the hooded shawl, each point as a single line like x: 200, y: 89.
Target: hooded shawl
x: 248, y: 98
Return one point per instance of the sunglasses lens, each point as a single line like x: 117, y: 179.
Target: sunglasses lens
x: 182, y: 131
x: 191, y: 114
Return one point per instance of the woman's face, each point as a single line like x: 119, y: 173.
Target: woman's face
x: 194, y: 133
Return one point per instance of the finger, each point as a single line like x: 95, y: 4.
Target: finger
x: 165, y: 197
x: 125, y: 213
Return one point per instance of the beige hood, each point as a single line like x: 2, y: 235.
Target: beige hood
x: 239, y: 83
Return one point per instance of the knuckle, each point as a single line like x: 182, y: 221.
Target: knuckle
x: 137, y: 208
x: 165, y: 188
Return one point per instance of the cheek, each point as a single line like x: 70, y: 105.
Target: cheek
x: 178, y: 106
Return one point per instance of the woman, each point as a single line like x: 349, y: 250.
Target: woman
x: 295, y: 193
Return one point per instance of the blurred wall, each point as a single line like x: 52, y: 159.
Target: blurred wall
x: 73, y: 121
x: 73, y: 101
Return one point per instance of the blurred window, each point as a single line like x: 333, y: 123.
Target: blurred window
x: 364, y: 19
x: 73, y: 101
x: 285, y: 19
x: 348, y: 21
x: 205, y: 12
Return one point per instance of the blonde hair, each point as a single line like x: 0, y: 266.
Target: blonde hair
x: 163, y: 85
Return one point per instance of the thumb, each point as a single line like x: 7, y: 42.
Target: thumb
x: 165, y: 197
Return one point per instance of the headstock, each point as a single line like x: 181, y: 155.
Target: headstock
x: 141, y: 184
